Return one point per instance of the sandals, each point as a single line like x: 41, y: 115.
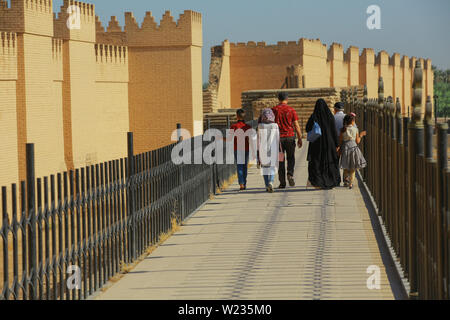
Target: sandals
x: 346, y: 183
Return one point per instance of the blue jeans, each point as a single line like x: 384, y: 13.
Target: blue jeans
x: 242, y: 168
x: 269, y: 175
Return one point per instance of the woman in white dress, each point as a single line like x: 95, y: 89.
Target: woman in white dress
x: 268, y: 147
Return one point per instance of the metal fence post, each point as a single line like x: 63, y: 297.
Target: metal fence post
x: 428, y: 128
x: 130, y: 198
x: 182, y: 204
x: 365, y: 123
x: 213, y: 183
x: 427, y: 229
x: 380, y: 145
x: 415, y: 148
x: 31, y: 206
x: 443, y: 235
x: 401, y: 183
x: 399, y: 127
x: 392, y: 167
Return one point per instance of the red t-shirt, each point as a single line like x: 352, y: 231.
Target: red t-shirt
x: 240, y: 125
x: 285, y: 117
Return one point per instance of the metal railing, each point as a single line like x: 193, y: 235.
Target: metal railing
x: 409, y: 180
x: 89, y: 223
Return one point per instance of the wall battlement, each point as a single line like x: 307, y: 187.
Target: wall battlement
x: 334, y: 51
x: 34, y: 5
x: 57, y: 49
x: 8, y: 56
x: 87, y: 10
x: 106, y: 53
x: 186, y: 31
x: 263, y: 45
x: 87, y: 19
x: 307, y: 47
x: 27, y: 16
x: 8, y: 43
x: 394, y: 60
x: 352, y: 54
x: 114, y: 25
x: 185, y: 21
x: 39, y: 5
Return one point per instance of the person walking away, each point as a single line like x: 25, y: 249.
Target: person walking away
x: 241, y: 147
x: 339, y: 116
x: 352, y: 158
x: 323, y: 160
x: 268, y: 147
x: 287, y: 120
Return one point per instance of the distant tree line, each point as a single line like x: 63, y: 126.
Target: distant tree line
x: 442, y: 90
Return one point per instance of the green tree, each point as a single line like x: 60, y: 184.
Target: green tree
x: 442, y: 90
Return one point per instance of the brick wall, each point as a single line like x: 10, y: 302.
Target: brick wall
x: 75, y: 93
x: 257, y: 66
x: 9, y: 171
x: 165, y: 75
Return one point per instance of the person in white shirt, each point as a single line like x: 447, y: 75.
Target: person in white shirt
x: 339, y: 116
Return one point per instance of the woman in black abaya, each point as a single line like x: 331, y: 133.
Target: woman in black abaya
x: 323, y: 159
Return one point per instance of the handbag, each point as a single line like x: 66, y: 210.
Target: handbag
x: 280, y: 154
x: 315, y: 133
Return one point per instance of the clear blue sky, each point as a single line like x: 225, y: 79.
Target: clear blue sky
x: 412, y: 27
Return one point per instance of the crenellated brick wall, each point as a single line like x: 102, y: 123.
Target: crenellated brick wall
x: 75, y: 93
x: 258, y: 66
x: 165, y: 74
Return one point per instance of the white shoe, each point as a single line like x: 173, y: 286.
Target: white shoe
x: 270, y: 188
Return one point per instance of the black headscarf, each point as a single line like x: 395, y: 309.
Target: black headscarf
x: 322, y: 156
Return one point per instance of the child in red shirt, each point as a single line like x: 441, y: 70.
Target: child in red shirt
x: 241, y: 150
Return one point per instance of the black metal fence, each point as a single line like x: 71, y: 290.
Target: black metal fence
x: 409, y: 181
x: 89, y: 223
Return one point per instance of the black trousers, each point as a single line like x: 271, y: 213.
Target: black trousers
x: 288, y: 147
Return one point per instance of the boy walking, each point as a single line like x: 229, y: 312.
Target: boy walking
x: 241, y: 150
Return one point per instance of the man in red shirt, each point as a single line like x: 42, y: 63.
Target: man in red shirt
x: 241, y: 150
x: 287, y: 120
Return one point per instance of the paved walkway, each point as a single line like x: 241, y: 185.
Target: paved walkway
x: 293, y: 244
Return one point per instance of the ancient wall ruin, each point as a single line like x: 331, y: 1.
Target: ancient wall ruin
x: 257, y: 66
x: 76, y: 92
